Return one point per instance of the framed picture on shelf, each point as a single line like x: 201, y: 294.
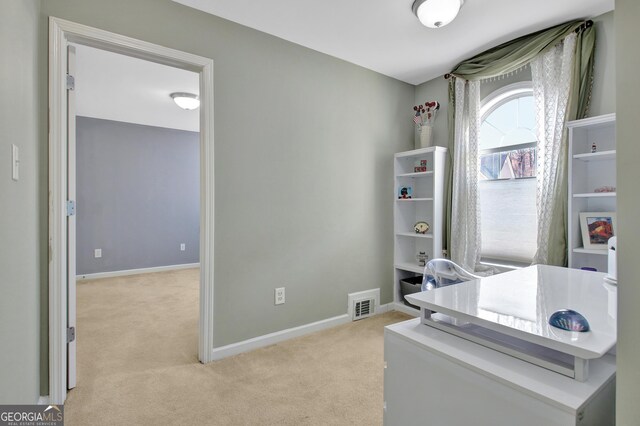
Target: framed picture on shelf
x: 405, y: 192
x: 597, y: 228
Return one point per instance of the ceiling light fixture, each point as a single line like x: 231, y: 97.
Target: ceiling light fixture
x: 436, y: 13
x: 186, y: 101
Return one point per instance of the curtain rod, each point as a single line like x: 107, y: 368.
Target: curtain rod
x: 586, y: 24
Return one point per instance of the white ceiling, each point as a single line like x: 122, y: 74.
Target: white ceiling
x: 385, y: 36
x: 116, y: 87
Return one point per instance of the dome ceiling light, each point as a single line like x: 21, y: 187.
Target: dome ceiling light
x: 436, y: 13
x: 187, y: 101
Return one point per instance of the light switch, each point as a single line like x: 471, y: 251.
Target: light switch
x: 15, y: 162
x: 97, y: 253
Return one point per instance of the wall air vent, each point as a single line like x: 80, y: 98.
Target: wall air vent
x: 363, y: 304
x: 363, y: 308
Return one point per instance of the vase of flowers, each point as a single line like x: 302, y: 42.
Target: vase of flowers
x: 424, y: 117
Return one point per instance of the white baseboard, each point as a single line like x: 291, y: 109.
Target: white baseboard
x: 290, y: 333
x: 381, y: 309
x: 136, y: 271
x: 401, y: 307
x: 43, y: 400
x: 278, y: 336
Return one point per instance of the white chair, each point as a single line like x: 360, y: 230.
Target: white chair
x: 442, y: 273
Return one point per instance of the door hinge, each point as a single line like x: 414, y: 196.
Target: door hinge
x: 71, y: 334
x: 71, y: 208
x: 71, y: 82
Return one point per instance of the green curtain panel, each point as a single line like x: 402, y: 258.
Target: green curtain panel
x: 514, y: 54
x: 509, y: 57
x: 448, y: 200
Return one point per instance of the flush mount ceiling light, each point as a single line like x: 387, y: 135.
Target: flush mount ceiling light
x: 436, y: 13
x: 186, y: 101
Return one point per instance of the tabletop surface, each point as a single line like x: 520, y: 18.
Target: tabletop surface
x: 519, y: 303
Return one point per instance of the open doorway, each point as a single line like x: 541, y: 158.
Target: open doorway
x: 136, y: 215
x: 137, y: 166
x: 61, y: 161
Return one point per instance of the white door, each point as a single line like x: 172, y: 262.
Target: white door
x: 71, y: 219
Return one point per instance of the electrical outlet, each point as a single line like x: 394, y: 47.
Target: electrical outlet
x: 279, y: 296
x: 182, y: 247
x: 97, y: 253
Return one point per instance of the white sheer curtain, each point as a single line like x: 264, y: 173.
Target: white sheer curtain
x: 465, y: 209
x: 551, y: 74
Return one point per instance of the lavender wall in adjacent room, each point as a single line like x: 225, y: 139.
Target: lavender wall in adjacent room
x: 137, y: 196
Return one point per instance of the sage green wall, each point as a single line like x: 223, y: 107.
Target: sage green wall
x: 603, y: 95
x: 603, y: 99
x: 627, y: 131
x: 22, y: 234
x: 304, y: 145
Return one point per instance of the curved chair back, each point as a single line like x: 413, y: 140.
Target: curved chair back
x: 443, y: 272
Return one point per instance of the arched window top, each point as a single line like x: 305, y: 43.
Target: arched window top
x: 508, y: 117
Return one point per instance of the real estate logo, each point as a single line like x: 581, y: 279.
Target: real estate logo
x: 31, y: 415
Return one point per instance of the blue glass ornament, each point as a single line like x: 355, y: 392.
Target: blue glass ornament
x: 569, y: 320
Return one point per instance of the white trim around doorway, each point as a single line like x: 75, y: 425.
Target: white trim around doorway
x: 62, y: 32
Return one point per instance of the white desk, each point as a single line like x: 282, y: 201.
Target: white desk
x: 489, y: 357
x: 438, y: 379
x: 510, y: 312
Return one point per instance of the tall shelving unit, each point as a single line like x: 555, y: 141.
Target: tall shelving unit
x: 588, y: 171
x: 426, y: 204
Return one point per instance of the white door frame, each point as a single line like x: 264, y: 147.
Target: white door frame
x: 61, y: 32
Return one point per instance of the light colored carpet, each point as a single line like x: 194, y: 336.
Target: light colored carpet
x: 137, y: 364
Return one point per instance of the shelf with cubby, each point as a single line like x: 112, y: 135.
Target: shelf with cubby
x: 592, y: 167
x: 405, y: 200
x: 413, y: 235
x: 596, y: 156
x: 421, y: 172
x: 409, y: 267
x: 590, y: 251
x: 595, y: 195
x: 415, y: 174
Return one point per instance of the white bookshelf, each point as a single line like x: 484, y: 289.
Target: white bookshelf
x: 588, y: 171
x: 426, y: 205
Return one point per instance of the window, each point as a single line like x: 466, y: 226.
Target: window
x: 507, y: 184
